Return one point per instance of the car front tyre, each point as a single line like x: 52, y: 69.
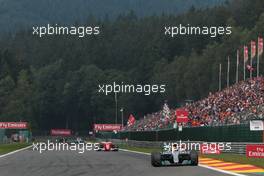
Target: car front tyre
x: 156, y: 159
x: 194, y: 158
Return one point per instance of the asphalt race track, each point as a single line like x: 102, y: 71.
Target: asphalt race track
x: 70, y: 163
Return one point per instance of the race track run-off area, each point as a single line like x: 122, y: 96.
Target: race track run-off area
x: 231, y: 166
x: 92, y: 163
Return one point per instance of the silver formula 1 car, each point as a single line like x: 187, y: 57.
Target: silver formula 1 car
x: 174, y: 158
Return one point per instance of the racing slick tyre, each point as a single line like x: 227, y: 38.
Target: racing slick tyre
x: 156, y: 159
x: 194, y: 158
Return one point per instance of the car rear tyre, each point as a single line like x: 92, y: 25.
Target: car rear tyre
x: 155, y: 159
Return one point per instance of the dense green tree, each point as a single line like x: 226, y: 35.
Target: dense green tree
x: 53, y: 81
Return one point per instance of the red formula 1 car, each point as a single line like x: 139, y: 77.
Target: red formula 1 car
x: 107, y: 146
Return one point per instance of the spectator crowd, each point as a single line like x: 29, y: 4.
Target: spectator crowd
x: 234, y: 105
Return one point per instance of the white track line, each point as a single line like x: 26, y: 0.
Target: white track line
x: 134, y: 152
x: 219, y: 170
x: 201, y: 165
x: 10, y: 153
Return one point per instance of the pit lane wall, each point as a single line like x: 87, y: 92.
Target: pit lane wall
x: 231, y: 133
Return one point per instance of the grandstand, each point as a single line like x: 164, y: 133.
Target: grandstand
x: 232, y: 106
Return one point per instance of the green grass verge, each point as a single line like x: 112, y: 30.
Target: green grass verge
x: 237, y: 159
x: 6, y: 148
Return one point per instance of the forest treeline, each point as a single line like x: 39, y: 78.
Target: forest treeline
x: 52, y: 81
x: 17, y: 14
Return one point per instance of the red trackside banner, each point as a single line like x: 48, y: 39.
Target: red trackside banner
x: 107, y: 127
x: 255, y: 151
x: 253, y: 49
x: 60, y: 132
x: 13, y: 125
x: 260, y: 46
x: 131, y: 120
x: 245, y: 54
x: 182, y: 115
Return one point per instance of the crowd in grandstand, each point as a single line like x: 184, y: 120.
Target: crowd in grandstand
x: 234, y: 105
